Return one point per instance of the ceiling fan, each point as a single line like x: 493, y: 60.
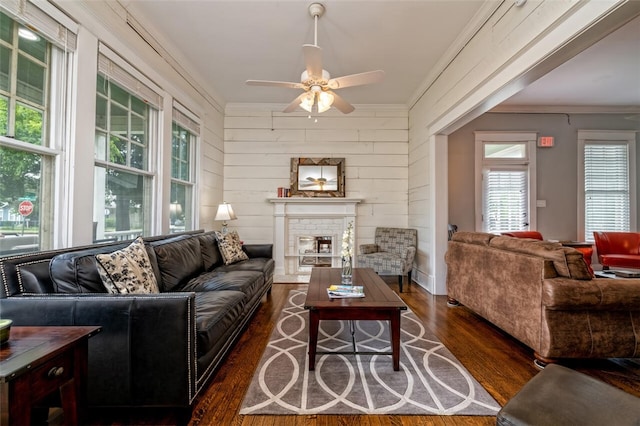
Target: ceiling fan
x: 317, y: 85
x: 320, y: 182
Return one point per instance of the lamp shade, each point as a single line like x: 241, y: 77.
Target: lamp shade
x: 225, y: 212
x: 316, y: 99
x: 325, y: 100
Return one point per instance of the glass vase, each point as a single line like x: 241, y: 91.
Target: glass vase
x: 347, y: 269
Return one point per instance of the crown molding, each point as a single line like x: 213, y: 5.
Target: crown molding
x: 566, y: 109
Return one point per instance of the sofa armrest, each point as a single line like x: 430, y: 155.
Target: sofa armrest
x: 258, y: 250
x: 142, y: 335
x: 596, y: 294
x: 368, y: 248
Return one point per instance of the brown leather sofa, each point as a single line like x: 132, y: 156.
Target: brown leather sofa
x: 542, y: 294
x: 618, y: 249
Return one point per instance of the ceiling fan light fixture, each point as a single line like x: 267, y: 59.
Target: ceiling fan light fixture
x: 307, y: 101
x: 325, y: 100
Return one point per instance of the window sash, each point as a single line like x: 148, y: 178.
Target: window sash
x: 124, y: 185
x: 183, y: 146
x: 24, y: 97
x: 50, y: 104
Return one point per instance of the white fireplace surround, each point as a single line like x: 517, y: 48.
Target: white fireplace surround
x: 295, y: 217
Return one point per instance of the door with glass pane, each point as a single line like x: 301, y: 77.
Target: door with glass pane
x: 505, y: 181
x: 505, y: 204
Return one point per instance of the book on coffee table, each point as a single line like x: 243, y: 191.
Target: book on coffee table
x: 344, y: 291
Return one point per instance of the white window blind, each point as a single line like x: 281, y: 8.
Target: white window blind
x: 185, y: 119
x: 109, y: 67
x: 506, y: 200
x: 607, y: 190
x: 45, y: 19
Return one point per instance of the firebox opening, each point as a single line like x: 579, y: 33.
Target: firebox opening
x: 315, y: 251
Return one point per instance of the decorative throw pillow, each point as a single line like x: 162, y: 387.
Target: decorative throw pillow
x: 128, y: 270
x: 230, y: 247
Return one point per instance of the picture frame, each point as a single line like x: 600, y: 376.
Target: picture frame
x: 317, y: 177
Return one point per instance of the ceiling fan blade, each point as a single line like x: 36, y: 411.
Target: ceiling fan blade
x: 356, y: 79
x: 295, y: 103
x: 288, y: 84
x: 313, y: 60
x: 342, y: 105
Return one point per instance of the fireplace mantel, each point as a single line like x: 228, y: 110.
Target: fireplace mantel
x: 319, y: 210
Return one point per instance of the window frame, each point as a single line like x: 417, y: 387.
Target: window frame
x: 187, y: 121
x: 482, y: 163
x: 59, y: 33
x: 614, y: 137
x: 116, y: 70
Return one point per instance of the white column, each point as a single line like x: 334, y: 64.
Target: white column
x: 279, y: 237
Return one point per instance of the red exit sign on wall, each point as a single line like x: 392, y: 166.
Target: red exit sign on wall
x: 545, y: 141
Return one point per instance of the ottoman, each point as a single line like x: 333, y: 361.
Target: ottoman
x: 560, y: 396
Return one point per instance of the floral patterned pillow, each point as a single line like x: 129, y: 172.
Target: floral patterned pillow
x: 230, y: 247
x: 128, y: 270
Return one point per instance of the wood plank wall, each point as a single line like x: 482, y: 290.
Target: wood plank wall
x: 259, y: 142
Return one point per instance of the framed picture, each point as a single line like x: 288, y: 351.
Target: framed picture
x: 317, y: 177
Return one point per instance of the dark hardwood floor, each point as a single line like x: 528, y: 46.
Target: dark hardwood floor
x: 500, y: 363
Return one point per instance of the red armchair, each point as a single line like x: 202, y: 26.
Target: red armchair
x: 618, y: 249
x: 587, y: 252
x: 524, y: 234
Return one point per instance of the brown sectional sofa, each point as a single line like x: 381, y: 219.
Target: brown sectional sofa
x: 543, y: 294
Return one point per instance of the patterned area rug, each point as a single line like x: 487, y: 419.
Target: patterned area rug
x: 430, y: 380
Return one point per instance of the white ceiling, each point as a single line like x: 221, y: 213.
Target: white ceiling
x: 224, y: 43
x: 607, y: 74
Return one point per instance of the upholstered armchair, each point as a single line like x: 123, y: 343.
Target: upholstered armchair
x: 391, y: 254
x: 618, y: 249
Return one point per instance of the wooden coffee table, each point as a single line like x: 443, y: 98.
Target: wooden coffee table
x: 379, y: 303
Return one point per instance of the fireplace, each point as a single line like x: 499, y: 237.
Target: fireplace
x: 315, y: 251
x: 308, y: 233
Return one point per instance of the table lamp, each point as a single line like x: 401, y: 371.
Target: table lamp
x: 225, y: 213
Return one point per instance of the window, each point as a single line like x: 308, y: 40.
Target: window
x: 33, y: 78
x: 505, y: 181
x: 126, y: 132
x: 183, y: 142
x: 607, y: 172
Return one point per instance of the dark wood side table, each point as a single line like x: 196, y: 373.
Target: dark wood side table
x: 38, y: 361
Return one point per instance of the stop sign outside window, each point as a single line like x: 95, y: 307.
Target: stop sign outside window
x: 25, y: 208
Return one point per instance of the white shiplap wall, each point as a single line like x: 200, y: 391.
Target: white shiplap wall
x: 210, y: 168
x: 259, y: 142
